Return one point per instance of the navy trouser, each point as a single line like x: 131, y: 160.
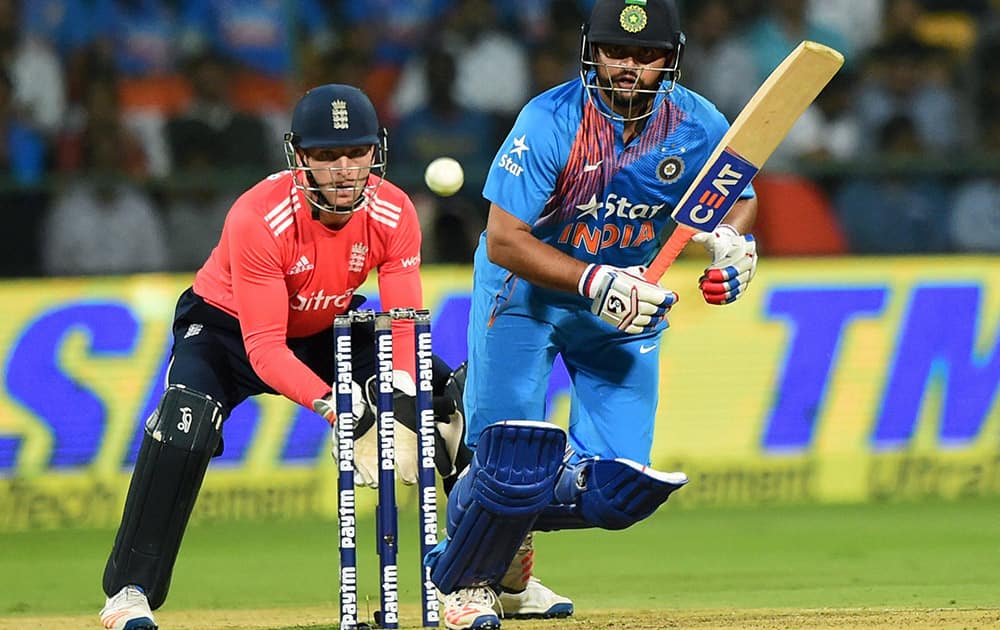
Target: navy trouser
x: 208, y: 355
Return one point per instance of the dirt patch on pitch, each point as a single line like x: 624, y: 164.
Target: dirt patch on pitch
x: 321, y: 618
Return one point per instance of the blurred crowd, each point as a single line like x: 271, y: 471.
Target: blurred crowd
x: 128, y: 127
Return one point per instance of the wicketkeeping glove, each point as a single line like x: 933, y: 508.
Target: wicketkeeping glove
x: 365, y: 472
x: 624, y: 299
x: 734, y: 263
x: 366, y: 445
x: 449, y: 427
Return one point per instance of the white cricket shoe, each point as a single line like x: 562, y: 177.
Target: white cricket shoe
x: 536, y: 601
x: 128, y: 610
x: 472, y: 608
x: 522, y: 596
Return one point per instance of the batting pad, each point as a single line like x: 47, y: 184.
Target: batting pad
x: 181, y: 436
x: 496, y: 501
x: 607, y: 493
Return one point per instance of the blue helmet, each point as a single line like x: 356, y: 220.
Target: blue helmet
x: 335, y: 116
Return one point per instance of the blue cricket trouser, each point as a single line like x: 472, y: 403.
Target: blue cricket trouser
x: 614, y: 376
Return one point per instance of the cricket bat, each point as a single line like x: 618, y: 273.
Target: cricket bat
x: 752, y: 138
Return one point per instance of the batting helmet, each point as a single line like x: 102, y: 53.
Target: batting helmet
x: 639, y: 23
x: 650, y: 24
x: 335, y: 116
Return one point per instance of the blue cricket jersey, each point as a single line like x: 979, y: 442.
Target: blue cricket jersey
x: 564, y: 170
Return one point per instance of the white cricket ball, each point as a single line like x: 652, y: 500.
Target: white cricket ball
x: 444, y: 176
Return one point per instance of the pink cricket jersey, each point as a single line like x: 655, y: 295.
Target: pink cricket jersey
x: 284, y: 275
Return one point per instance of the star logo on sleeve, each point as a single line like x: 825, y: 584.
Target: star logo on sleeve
x: 520, y: 146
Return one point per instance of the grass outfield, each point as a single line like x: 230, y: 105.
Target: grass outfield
x: 929, y: 565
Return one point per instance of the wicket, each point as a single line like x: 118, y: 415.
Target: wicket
x: 386, y: 514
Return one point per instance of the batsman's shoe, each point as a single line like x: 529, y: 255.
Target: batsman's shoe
x: 536, y: 601
x: 472, y: 608
x: 522, y: 596
x: 128, y: 610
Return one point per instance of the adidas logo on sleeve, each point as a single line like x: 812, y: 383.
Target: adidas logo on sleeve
x: 301, y: 266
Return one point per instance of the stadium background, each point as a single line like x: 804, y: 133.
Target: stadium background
x: 848, y: 385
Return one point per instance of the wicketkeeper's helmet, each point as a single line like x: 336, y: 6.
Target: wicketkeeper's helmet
x: 643, y: 23
x: 334, y: 116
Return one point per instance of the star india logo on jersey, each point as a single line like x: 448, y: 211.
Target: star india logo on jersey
x: 338, y: 112
x: 359, y: 251
x: 613, y: 221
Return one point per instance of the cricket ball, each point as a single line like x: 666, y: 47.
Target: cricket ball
x: 444, y: 176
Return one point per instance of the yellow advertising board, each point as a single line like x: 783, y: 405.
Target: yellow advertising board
x: 847, y: 379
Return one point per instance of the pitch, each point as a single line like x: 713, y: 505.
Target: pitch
x: 930, y: 565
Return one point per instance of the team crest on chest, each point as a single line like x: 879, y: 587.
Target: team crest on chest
x: 670, y: 169
x: 359, y: 251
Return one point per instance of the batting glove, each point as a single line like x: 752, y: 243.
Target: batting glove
x: 734, y: 264
x: 622, y: 298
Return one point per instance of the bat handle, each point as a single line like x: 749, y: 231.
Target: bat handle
x: 669, y: 253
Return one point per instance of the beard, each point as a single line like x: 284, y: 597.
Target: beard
x: 637, y: 98
x: 631, y: 102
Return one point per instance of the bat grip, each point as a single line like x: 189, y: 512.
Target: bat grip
x: 669, y: 253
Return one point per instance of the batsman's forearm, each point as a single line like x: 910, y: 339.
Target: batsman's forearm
x: 537, y: 262
x: 743, y: 215
x: 510, y: 244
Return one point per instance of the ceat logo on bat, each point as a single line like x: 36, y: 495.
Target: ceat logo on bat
x: 710, y: 199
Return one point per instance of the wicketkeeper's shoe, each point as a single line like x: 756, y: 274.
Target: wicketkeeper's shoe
x: 128, y: 609
x: 472, y: 608
x: 522, y: 596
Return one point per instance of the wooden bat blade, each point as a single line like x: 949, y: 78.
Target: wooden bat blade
x: 758, y: 130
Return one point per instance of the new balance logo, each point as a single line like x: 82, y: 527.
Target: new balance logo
x: 301, y: 266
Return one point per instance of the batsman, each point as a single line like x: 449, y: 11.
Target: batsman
x: 580, y: 199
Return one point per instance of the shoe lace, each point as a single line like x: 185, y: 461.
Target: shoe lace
x: 480, y: 595
x: 528, y: 544
x: 127, y: 596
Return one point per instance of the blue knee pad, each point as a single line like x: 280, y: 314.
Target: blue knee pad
x: 496, y: 501
x: 607, y: 493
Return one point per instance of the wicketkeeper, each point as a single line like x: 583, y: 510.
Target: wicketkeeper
x: 258, y: 319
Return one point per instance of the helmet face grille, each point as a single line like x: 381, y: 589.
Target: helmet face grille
x: 363, y: 185
x: 335, y: 116
x: 624, y: 97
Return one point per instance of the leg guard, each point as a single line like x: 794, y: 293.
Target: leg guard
x: 495, y: 503
x: 607, y: 493
x: 181, y: 437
